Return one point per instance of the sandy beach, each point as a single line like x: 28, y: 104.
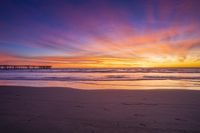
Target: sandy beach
x: 65, y: 110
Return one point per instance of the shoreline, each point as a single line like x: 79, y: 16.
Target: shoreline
x: 80, y: 89
x: 59, y: 109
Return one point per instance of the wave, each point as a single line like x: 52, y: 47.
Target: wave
x: 107, y: 78
x: 105, y: 70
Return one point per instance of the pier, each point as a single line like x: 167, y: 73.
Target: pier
x: 22, y: 67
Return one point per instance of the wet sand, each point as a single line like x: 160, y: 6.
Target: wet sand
x: 65, y: 110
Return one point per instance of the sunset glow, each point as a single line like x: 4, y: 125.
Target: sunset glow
x: 100, y: 34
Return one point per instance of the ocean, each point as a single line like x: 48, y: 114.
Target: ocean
x: 118, y: 78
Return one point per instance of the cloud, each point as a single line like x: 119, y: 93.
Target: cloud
x: 101, y: 33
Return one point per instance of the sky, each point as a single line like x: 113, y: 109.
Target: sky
x: 100, y: 33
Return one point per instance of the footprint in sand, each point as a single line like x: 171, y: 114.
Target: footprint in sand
x: 79, y: 106
x: 105, y: 109
x: 178, y: 119
x: 139, y: 115
x: 142, y: 124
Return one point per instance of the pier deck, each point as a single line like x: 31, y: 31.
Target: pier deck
x: 19, y: 67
